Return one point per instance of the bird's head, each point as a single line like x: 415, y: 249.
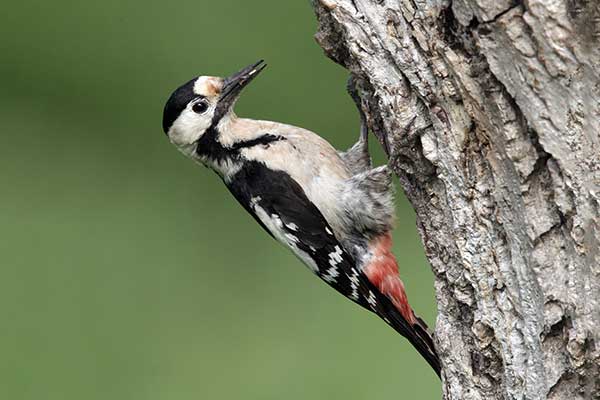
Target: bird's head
x: 201, y: 104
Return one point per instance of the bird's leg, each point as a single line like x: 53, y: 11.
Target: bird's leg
x: 363, y: 138
x: 357, y: 157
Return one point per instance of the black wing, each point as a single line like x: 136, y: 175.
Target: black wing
x: 280, y: 205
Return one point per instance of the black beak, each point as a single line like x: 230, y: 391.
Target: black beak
x: 233, y: 85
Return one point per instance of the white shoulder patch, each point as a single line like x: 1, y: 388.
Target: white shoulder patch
x: 275, y: 226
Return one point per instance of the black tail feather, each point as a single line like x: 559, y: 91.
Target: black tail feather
x: 418, y: 335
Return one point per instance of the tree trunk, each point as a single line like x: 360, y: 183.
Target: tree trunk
x: 490, y: 113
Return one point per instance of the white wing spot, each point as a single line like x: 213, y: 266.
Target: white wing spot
x: 292, y: 226
x: 372, y: 300
x: 277, y: 220
x: 335, y: 257
x: 291, y: 238
x: 331, y: 274
x: 354, y: 283
x: 254, y: 201
x: 328, y: 230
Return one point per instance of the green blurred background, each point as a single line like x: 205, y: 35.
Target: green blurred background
x: 128, y: 272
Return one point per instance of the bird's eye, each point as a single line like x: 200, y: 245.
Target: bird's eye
x: 200, y: 107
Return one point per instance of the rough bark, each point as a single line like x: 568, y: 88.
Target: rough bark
x: 490, y: 112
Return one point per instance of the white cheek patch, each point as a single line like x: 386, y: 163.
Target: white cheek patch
x: 208, y: 86
x: 189, y: 127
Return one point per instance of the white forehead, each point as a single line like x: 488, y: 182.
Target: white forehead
x: 207, y: 86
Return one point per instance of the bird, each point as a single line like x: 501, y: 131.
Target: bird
x: 332, y: 209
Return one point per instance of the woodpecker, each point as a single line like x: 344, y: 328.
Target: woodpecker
x: 332, y: 209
